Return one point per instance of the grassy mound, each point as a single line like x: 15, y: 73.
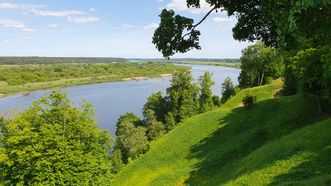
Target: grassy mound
x: 276, y: 141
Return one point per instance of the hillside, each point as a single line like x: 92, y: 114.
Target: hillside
x: 276, y: 141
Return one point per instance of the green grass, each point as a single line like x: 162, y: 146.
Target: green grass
x: 276, y: 141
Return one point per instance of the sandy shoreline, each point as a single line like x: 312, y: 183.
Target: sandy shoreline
x: 135, y: 78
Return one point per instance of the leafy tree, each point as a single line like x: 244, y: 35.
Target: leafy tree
x: 155, y: 129
x: 228, y: 90
x: 206, y: 94
x: 180, y: 34
x: 128, y: 117
x: 158, y: 104
x: 182, y: 95
x: 53, y: 143
x: 259, y: 63
x: 131, y: 140
x: 299, y: 76
x: 117, y: 160
x: 169, y: 121
x: 290, y: 26
x: 169, y: 37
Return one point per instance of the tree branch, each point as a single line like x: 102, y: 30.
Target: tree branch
x: 201, y: 21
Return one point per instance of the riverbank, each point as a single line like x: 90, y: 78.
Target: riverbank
x: 210, y: 63
x: 29, y: 87
x: 95, y: 73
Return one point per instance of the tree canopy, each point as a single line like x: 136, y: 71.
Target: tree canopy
x: 299, y: 29
x: 286, y: 24
x: 53, y: 143
x: 258, y: 64
x: 206, y: 94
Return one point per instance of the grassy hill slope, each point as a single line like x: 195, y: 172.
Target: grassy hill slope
x: 276, y: 141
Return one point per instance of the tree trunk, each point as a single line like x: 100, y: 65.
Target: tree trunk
x: 261, y: 80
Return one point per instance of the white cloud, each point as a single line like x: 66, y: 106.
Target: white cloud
x: 63, y: 13
x: 53, y: 26
x: 11, y: 6
x: 73, y: 16
x: 152, y: 26
x: 8, y: 23
x: 29, y: 30
x: 83, y: 20
x: 180, y: 5
x: 39, y: 10
x: 221, y: 20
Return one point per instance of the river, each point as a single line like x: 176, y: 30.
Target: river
x: 110, y: 100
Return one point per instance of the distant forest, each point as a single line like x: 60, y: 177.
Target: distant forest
x: 57, y: 60
x: 226, y: 60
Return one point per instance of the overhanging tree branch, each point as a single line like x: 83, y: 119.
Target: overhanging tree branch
x: 201, y: 21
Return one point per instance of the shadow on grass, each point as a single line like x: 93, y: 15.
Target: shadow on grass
x: 316, y: 167
x: 246, y: 130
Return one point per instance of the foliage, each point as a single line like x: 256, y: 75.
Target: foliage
x: 238, y: 146
x: 258, y: 63
x: 169, y: 121
x: 282, y: 23
x: 206, y: 94
x: 131, y: 137
x: 216, y: 101
x: 161, y: 114
x: 128, y: 117
x: 169, y: 38
x: 228, y: 90
x: 157, y: 103
x: 117, y: 161
x: 155, y: 129
x: 182, y: 95
x: 53, y: 143
x: 293, y: 27
x: 22, y: 74
x: 249, y: 100
x: 131, y: 140
x: 303, y: 65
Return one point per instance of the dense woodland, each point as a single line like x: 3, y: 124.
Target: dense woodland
x: 54, y: 143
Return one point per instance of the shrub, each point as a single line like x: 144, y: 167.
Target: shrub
x: 249, y: 100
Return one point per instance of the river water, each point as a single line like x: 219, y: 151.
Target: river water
x: 110, y: 100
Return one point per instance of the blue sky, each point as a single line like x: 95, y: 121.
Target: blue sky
x: 104, y: 28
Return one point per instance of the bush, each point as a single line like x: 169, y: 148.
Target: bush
x: 249, y: 100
